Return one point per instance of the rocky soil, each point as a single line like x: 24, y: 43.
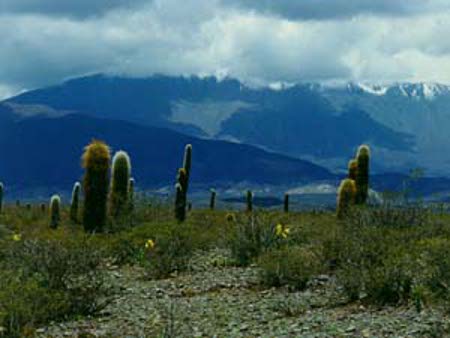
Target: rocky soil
x: 215, y: 299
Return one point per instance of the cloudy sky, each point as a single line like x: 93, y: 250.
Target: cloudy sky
x: 258, y: 41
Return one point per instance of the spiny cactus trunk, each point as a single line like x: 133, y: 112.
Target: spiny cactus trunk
x: 55, y: 211
x: 180, y: 204
x: 74, y: 204
x: 131, y: 195
x: 96, y: 160
x: 249, y: 199
x: 352, y: 169
x: 212, y: 200
x: 286, y: 203
x: 345, y: 197
x: 362, y: 175
x: 120, y: 185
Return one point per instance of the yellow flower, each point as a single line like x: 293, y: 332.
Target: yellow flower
x: 149, y: 244
x: 281, y: 230
x: 16, y: 237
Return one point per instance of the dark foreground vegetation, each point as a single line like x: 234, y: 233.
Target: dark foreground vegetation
x: 379, y: 271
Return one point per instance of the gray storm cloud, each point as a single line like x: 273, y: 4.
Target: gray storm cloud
x: 44, y: 42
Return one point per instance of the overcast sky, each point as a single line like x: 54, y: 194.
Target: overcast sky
x: 43, y: 42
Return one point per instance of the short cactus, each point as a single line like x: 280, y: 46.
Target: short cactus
x: 249, y: 201
x: 120, y: 185
x: 286, y: 203
x: 345, y: 197
x: 212, y: 200
x: 75, y: 201
x: 2, y: 191
x: 95, y: 160
x: 362, y: 174
x: 352, y: 169
x: 55, y: 211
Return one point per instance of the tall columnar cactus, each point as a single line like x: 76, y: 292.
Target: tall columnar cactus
x: 2, y: 191
x: 345, y: 197
x: 55, y: 211
x: 75, y: 202
x: 249, y: 200
x: 95, y: 160
x: 362, y: 174
x: 180, y: 204
x: 131, y: 194
x: 352, y: 169
x: 212, y: 200
x: 120, y: 184
x: 286, y: 202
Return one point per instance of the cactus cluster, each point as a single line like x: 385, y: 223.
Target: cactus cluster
x: 182, y: 185
x: 355, y: 188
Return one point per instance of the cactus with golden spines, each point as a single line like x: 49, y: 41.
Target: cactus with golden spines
x: 75, y: 202
x: 120, y: 185
x: 345, y: 197
x: 362, y: 174
x: 96, y: 162
x: 55, y: 211
x: 352, y: 169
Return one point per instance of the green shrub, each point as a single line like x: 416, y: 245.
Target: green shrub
x: 169, y: 252
x: 252, y: 234
x: 290, y: 265
x: 58, y: 278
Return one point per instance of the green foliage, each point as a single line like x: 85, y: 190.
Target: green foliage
x: 120, y: 185
x: 212, y: 200
x: 49, y: 279
x: 95, y: 161
x: 74, y: 204
x: 55, y: 211
x: 290, y: 265
x: 345, y: 197
x: 253, y: 234
x: 362, y: 174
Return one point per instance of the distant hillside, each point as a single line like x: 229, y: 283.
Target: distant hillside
x: 45, y: 152
x: 303, y: 121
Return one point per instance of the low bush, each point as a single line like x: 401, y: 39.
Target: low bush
x: 293, y: 266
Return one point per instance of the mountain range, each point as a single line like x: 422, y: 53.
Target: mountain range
x: 278, y: 134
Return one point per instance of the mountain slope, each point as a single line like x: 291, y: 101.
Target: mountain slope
x: 45, y: 152
x: 299, y: 121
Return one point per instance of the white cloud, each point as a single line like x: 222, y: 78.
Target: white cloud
x: 208, y: 37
